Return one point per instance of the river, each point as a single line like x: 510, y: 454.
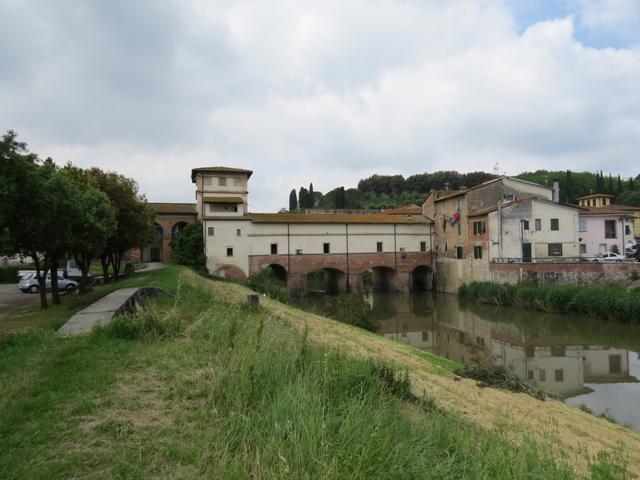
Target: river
x: 584, y: 361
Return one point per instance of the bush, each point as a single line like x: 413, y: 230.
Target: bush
x: 354, y: 310
x: 268, y: 283
x: 187, y: 248
x: 9, y: 274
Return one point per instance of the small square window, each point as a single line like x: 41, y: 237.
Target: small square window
x: 229, y: 251
x: 627, y: 229
x: 558, y: 351
x: 423, y: 246
x: 559, y: 374
x: 555, y: 249
x: 238, y: 232
x: 538, y: 223
x: 555, y: 224
x: 509, y: 198
x: 525, y: 224
x: 379, y: 247
x: 425, y: 335
x: 222, y: 181
x: 274, y: 249
x: 458, y: 252
x: 530, y: 351
x: 583, y: 248
x: 210, y: 231
x: 477, y: 252
x: 326, y: 248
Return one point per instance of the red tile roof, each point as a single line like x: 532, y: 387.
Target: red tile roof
x: 379, y: 218
x: 195, y: 171
x: 412, y: 209
x: 174, y: 208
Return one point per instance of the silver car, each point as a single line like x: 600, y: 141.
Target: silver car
x: 29, y: 283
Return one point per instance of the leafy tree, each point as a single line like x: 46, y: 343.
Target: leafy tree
x: 188, y: 247
x: 293, y: 201
x: 568, y: 187
x: 619, y: 187
x: 631, y: 198
x: 134, y: 218
x: 303, y: 198
x: 341, y: 199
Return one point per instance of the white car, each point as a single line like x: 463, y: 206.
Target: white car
x: 609, y: 257
x: 29, y: 283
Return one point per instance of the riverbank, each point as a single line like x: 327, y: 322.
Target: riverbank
x: 606, y: 302
x: 204, y: 386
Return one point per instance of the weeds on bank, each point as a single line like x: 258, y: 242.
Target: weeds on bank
x: 607, y: 302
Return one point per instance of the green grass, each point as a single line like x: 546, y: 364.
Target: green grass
x: 96, y: 267
x: 194, y: 387
x: 56, y: 315
x: 606, y: 302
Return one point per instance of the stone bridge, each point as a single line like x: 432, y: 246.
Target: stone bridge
x: 392, y: 271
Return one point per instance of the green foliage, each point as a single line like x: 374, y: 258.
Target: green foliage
x: 187, y: 247
x: 9, y: 274
x: 293, y: 201
x: 607, y: 302
x: 352, y: 309
x: 268, y: 283
x: 630, y: 197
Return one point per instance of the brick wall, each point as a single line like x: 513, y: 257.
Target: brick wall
x: 578, y: 273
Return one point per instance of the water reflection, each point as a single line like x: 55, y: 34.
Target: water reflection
x: 585, y: 361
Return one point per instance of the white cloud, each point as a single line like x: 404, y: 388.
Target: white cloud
x: 325, y: 92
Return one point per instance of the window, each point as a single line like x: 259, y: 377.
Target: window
x: 627, y: 229
x: 477, y: 252
x: 558, y: 351
x: 423, y: 246
x: 459, y: 226
x: 458, y: 252
x: 238, y: 232
x: 444, y: 224
x: 542, y: 375
x: 525, y: 224
x: 210, y: 231
x: 274, y: 249
x: 479, y: 228
x: 229, y: 251
x: 538, y: 223
x: 583, y: 248
x: 610, y: 229
x: 446, y: 247
x: 379, y: 247
x: 555, y: 224
x: 509, y: 197
x: 222, y: 181
x: 530, y: 351
x: 582, y: 225
x: 615, y: 364
x: 325, y: 247
x: 559, y: 374
x: 425, y: 335
x: 298, y: 251
x: 555, y: 249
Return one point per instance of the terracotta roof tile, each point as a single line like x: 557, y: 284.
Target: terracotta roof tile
x: 174, y: 208
x: 195, y: 171
x: 412, y: 209
x: 379, y: 218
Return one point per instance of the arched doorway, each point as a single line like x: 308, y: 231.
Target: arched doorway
x: 155, y: 248
x: 422, y: 279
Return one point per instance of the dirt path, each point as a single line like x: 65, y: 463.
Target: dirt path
x: 577, y: 434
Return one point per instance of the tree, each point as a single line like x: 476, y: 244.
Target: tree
x: 188, y: 247
x: 303, y: 200
x: 610, y: 190
x: 631, y: 198
x: 134, y: 218
x: 568, y: 187
x: 619, y: 186
x: 340, y: 198
x: 311, y: 200
x: 293, y: 201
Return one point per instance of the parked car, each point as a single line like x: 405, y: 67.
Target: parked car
x: 29, y: 283
x: 609, y: 257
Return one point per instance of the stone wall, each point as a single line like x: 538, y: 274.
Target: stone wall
x: 452, y: 273
x: 553, y: 273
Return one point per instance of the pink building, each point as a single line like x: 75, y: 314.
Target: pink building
x: 604, y: 227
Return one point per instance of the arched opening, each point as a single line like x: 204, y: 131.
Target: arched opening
x: 384, y: 279
x: 277, y: 272
x: 327, y: 280
x: 177, y: 228
x: 422, y: 279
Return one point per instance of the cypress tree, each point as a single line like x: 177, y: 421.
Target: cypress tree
x: 293, y: 201
x: 303, y: 198
x: 619, y: 187
x: 312, y: 200
x: 568, y: 187
x: 610, y: 186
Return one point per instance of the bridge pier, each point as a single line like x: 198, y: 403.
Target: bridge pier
x: 356, y: 282
x: 297, y: 285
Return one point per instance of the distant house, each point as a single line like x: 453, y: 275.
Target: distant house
x: 605, y: 227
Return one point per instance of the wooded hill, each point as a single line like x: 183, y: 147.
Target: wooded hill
x: 388, y: 191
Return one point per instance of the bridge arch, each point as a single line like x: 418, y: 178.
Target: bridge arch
x: 422, y: 278
x: 384, y: 279
x: 278, y: 271
x: 328, y: 279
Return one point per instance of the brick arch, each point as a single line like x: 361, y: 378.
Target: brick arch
x: 230, y: 271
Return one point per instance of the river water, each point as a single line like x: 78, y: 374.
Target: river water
x: 585, y: 361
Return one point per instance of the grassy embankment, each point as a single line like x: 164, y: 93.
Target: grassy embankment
x: 606, y: 302
x: 202, y: 386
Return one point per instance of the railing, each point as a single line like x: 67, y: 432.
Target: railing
x: 559, y: 260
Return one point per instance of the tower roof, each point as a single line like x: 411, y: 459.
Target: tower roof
x: 195, y: 171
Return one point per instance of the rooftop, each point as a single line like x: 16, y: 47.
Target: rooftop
x: 611, y: 210
x: 411, y: 209
x: 379, y: 218
x: 197, y: 170
x: 595, y: 195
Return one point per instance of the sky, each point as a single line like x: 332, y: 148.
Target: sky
x: 326, y: 92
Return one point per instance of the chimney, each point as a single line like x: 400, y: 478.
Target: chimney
x: 556, y: 191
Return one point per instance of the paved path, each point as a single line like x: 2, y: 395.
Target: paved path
x: 12, y: 298
x: 103, y: 311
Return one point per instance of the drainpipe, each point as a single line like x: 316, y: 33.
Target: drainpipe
x: 346, y: 233
x: 500, y: 228
x: 288, y: 251
x: 395, y: 256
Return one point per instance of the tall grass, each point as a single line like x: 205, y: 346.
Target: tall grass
x: 606, y: 302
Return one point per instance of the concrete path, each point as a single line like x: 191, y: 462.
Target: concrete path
x: 152, y: 266
x: 102, y: 312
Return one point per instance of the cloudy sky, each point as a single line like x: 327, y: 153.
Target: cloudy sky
x: 326, y: 91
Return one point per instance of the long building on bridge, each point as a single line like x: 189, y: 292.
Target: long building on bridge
x: 394, y: 246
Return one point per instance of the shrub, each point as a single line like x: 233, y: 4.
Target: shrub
x: 354, y: 310
x: 187, y: 248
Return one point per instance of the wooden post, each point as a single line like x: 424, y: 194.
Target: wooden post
x: 254, y: 301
